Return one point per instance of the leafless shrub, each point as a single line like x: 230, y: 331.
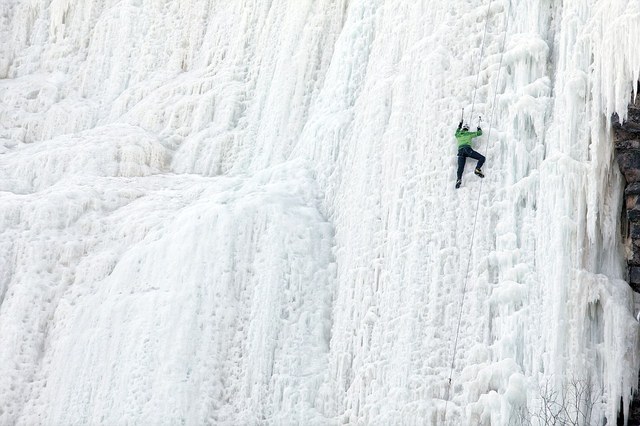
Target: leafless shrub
x: 571, y: 405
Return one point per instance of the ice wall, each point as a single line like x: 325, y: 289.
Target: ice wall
x: 243, y: 212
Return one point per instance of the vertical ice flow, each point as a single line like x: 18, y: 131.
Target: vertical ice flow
x: 243, y: 212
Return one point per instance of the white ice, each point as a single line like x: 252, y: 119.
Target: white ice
x: 243, y: 213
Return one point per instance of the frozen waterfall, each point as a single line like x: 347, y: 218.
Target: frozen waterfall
x: 243, y: 212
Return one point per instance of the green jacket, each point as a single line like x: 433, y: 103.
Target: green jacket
x: 464, y: 137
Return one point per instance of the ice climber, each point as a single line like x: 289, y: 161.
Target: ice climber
x: 464, y: 137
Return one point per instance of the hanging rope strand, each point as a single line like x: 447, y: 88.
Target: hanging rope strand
x: 484, y: 37
x: 495, y: 93
x: 475, y: 220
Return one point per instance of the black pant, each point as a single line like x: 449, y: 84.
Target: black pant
x: 465, y: 152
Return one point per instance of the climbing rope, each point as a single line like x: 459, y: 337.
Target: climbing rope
x: 475, y: 220
x: 484, y: 37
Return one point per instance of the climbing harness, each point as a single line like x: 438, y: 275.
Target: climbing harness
x: 475, y: 220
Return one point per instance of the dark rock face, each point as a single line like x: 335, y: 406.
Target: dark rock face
x: 627, y: 144
x: 634, y: 275
x: 629, y: 161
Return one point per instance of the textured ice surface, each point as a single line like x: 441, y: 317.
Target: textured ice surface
x: 243, y: 212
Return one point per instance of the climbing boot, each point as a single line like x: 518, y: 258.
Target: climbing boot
x: 478, y: 172
x: 458, y: 183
